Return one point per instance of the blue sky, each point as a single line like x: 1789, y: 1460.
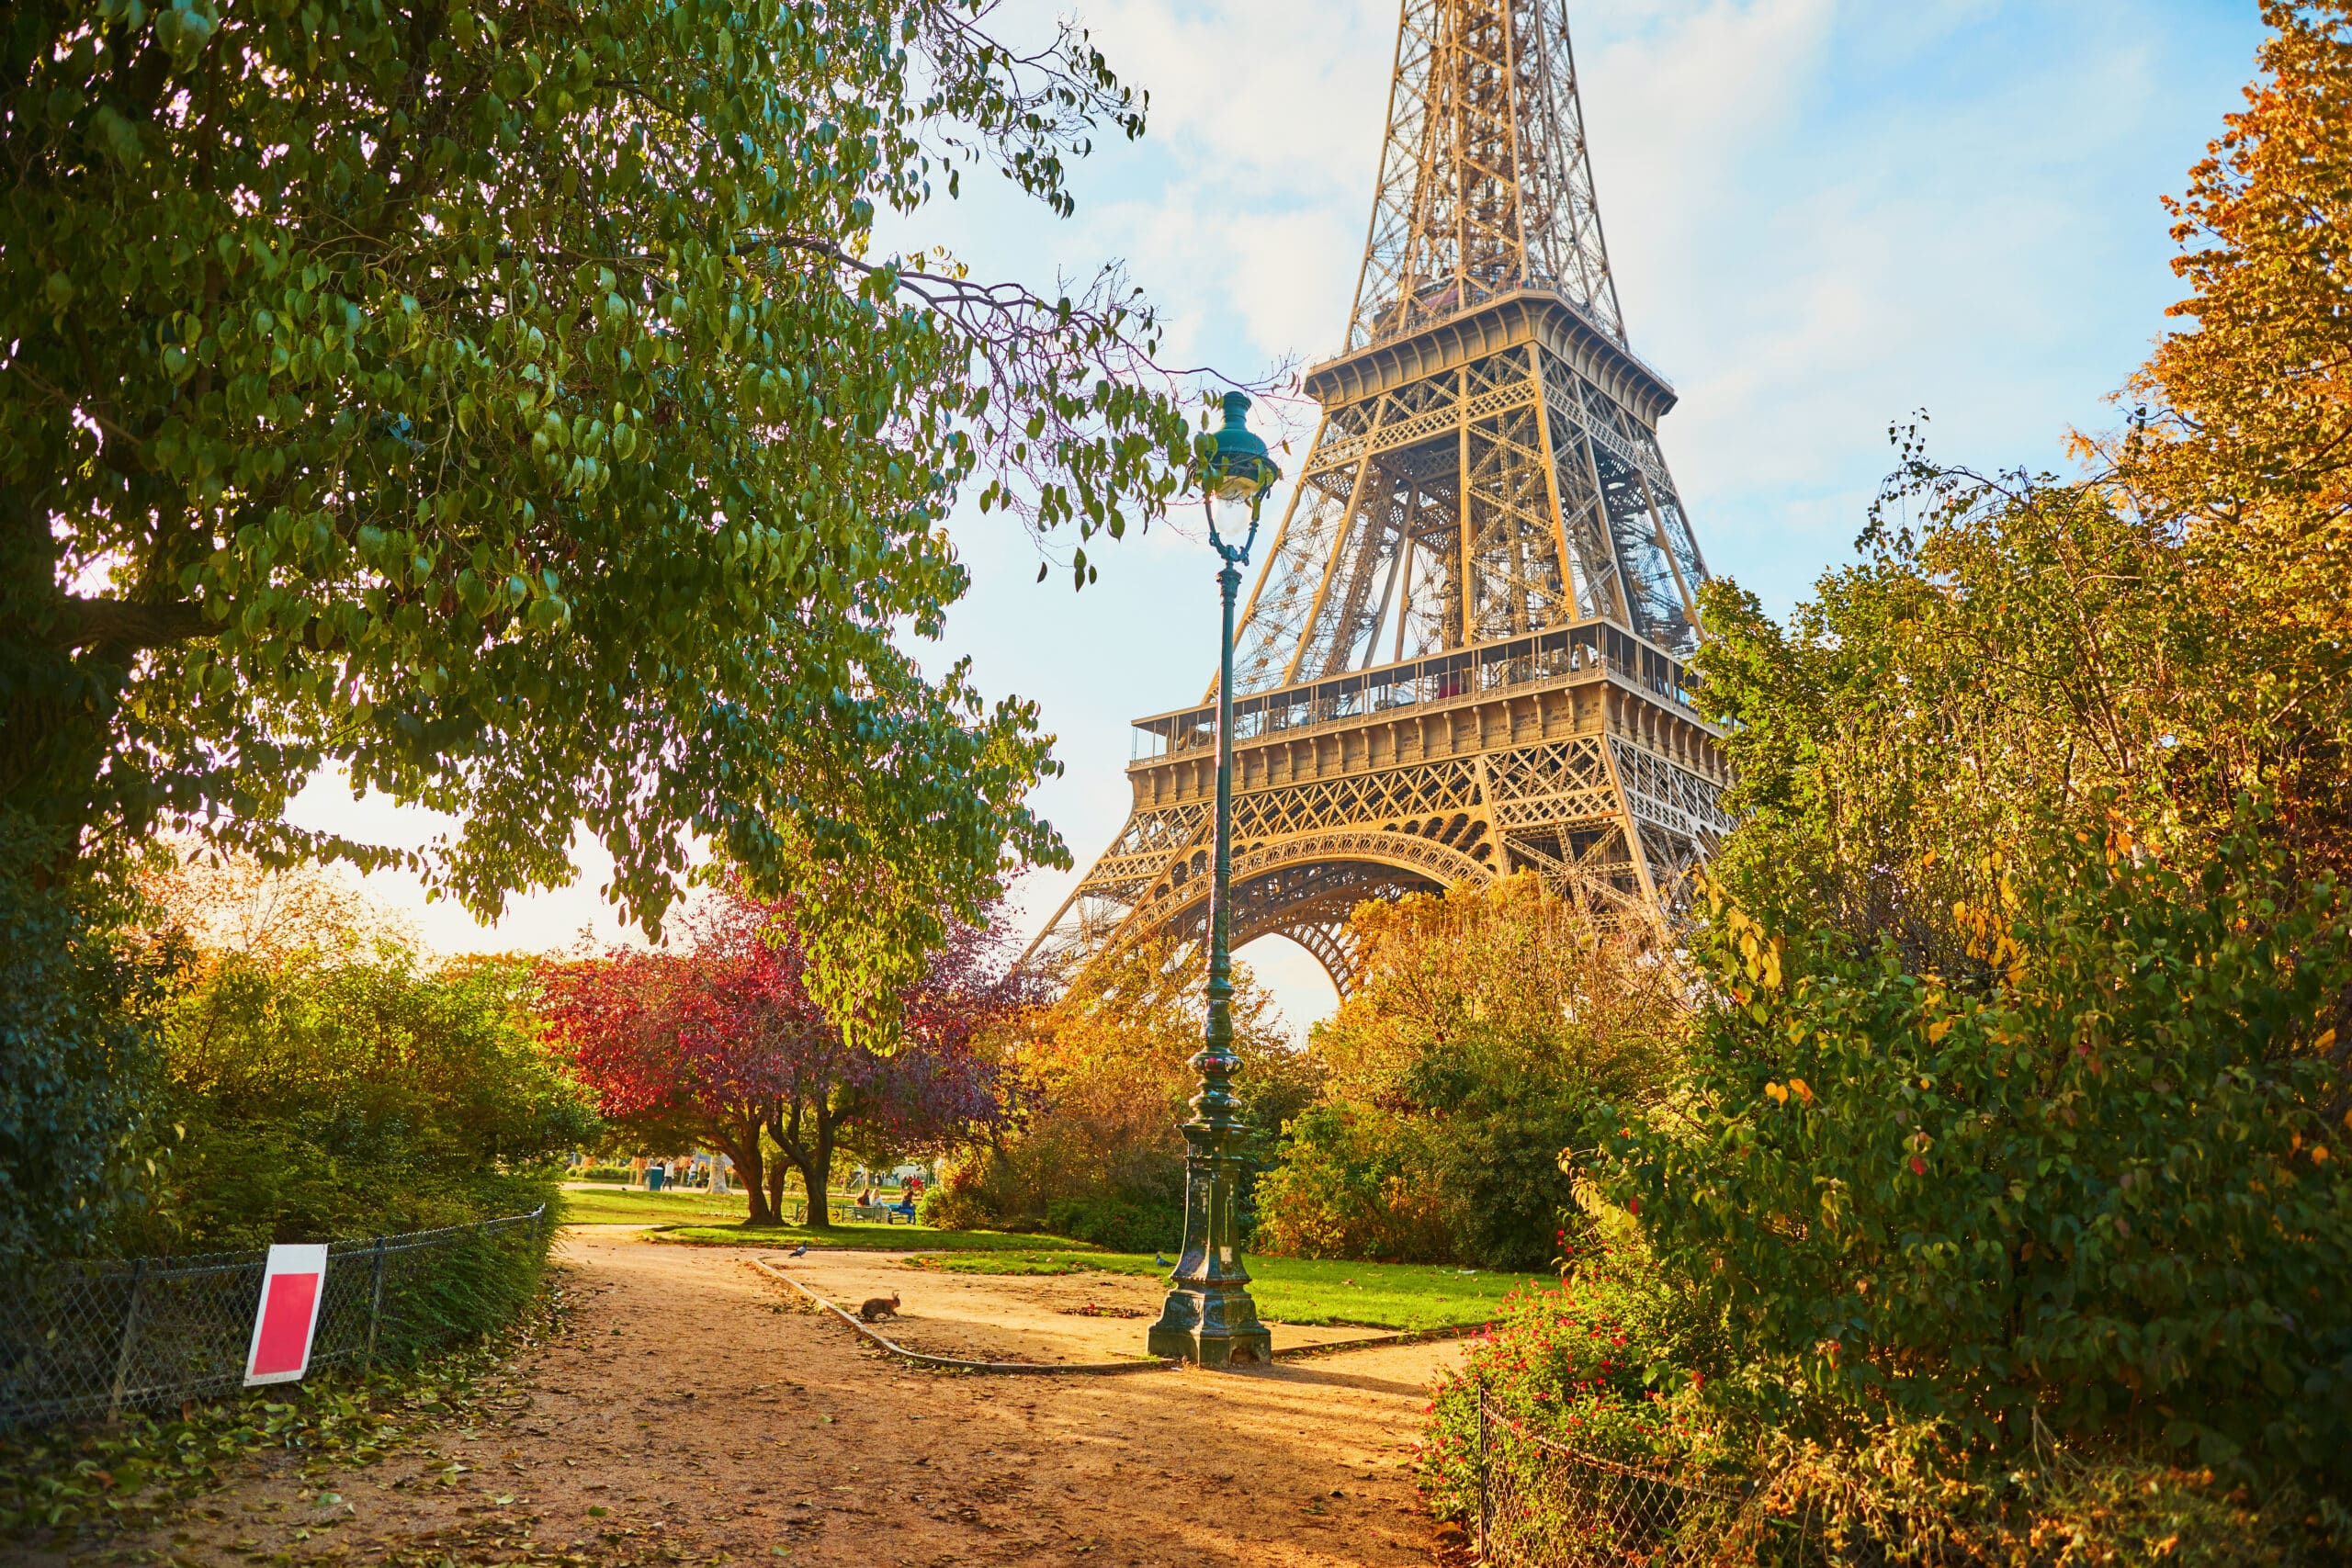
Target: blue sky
x: 1822, y: 215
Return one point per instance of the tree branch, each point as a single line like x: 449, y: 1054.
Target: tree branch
x: 83, y: 623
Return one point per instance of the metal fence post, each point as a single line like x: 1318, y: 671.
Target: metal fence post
x: 129, y: 1340
x: 1482, y: 1470
x: 375, y: 1310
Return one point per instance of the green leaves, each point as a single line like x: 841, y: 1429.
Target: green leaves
x: 509, y: 400
x: 2078, y: 1190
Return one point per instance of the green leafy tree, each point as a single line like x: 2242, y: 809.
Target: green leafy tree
x: 2022, y: 657
x: 505, y: 402
x: 2002, y: 1210
x: 1489, y: 1021
x: 358, y: 1092
x: 2017, y: 1107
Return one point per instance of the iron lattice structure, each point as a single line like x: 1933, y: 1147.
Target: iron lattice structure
x: 1464, y: 654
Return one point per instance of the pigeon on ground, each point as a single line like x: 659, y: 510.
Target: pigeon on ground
x: 1162, y: 1261
x: 798, y: 1251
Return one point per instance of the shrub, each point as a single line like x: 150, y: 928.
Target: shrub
x: 955, y: 1202
x: 2093, y: 1186
x: 1612, y: 1362
x: 1601, y: 1361
x: 1117, y: 1224
x: 1487, y: 1023
x: 1354, y: 1182
x: 355, y: 1095
x: 472, y: 1284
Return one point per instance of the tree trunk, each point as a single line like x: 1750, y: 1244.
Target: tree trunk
x: 812, y: 1157
x: 779, y: 1172
x: 824, y: 1160
x: 741, y: 1144
x: 823, y: 1120
x: 812, y: 1177
x: 64, y: 660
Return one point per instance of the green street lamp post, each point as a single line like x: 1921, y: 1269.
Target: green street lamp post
x: 1209, y: 1317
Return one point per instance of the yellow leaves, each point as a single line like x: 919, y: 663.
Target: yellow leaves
x: 1940, y: 1028
x: 2319, y: 1153
x: 1779, y: 1095
x: 2326, y: 1039
x: 1986, y: 937
x: 1759, y: 956
x: 1797, y: 1086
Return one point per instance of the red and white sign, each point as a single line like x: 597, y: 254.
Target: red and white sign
x: 292, y: 1285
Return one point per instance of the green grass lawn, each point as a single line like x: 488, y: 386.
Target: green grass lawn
x: 865, y: 1236
x: 1295, y: 1289
x: 629, y: 1206
x: 623, y: 1206
x: 1289, y: 1290
x: 1037, y: 1255
x: 1386, y: 1295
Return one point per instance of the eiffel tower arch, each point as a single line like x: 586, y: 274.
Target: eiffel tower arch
x: 1464, y: 654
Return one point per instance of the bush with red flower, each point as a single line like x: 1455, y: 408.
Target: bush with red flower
x: 1602, y: 1361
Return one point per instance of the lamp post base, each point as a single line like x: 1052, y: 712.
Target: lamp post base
x: 1211, y: 1326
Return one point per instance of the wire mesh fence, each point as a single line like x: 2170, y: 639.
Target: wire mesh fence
x: 84, y: 1339
x: 1542, y: 1503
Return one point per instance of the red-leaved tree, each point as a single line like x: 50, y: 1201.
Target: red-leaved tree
x: 723, y: 1033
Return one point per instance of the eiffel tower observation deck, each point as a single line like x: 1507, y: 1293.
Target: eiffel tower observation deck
x: 1463, y: 656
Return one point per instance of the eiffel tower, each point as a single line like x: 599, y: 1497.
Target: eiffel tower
x: 1464, y: 654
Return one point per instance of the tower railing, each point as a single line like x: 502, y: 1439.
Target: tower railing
x: 1593, y: 649
x: 1403, y: 320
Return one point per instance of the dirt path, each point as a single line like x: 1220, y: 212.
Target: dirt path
x: 692, y: 1412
